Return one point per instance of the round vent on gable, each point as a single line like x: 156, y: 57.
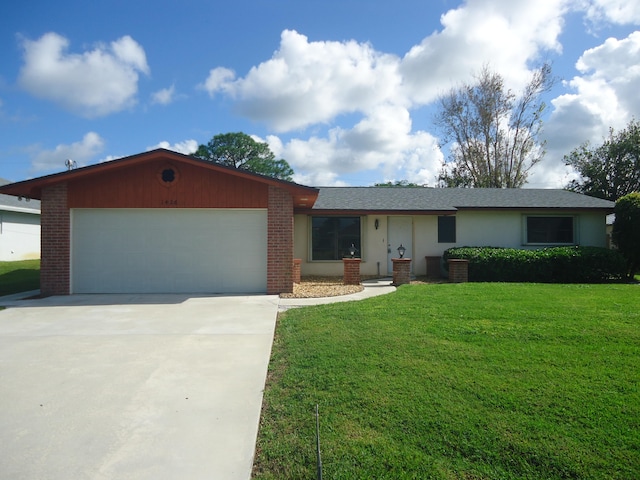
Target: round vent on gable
x: 168, y: 175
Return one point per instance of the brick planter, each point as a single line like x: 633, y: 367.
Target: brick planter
x: 401, y: 271
x: 351, y: 271
x: 297, y: 264
x: 458, y: 270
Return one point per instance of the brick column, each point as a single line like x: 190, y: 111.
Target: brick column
x: 55, y: 235
x: 351, y: 271
x: 458, y: 270
x: 401, y: 271
x: 279, y: 241
x: 297, y: 267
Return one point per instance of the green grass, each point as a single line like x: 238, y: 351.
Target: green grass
x: 20, y: 276
x: 458, y: 381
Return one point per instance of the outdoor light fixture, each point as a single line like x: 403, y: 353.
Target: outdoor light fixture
x: 401, y: 251
x: 376, y: 223
x: 352, y: 250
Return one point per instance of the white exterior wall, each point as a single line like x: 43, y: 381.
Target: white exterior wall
x: 19, y: 235
x: 593, y: 230
x: 506, y: 229
x: 490, y: 229
x: 425, y: 242
x: 473, y: 228
x: 373, y: 249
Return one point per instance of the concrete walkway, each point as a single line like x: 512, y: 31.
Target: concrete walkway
x: 136, y: 386
x: 372, y: 288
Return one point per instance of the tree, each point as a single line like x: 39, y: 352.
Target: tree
x: 494, y: 133
x: 239, y: 150
x: 611, y: 170
x: 626, y: 230
x: 398, y: 183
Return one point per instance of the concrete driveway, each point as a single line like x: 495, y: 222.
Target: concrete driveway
x: 133, y: 386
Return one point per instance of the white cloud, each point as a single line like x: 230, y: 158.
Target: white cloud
x: 505, y: 34
x: 93, y: 84
x: 383, y: 141
x: 80, y: 152
x: 326, y: 84
x: 187, y: 147
x: 164, y: 96
x: 305, y: 83
x: 219, y: 79
x: 616, y: 11
x: 604, y: 95
x: 308, y: 83
x: 128, y: 52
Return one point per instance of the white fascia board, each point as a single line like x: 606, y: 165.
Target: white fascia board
x: 6, y: 208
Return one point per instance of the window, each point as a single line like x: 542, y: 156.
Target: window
x: 550, y: 230
x: 331, y: 237
x: 447, y: 229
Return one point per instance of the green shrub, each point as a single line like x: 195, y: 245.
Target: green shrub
x: 626, y: 230
x: 547, y: 265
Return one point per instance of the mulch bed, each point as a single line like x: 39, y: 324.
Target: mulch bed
x: 317, y: 287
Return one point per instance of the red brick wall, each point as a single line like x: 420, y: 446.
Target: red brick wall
x: 458, y: 270
x: 351, y: 271
x: 56, y: 241
x: 279, y: 242
x: 297, y: 270
x: 401, y: 271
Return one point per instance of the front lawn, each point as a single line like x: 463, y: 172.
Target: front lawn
x: 20, y: 276
x: 447, y: 381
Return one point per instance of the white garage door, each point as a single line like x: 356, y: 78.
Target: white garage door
x: 168, y: 251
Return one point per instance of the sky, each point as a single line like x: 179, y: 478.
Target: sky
x: 344, y: 90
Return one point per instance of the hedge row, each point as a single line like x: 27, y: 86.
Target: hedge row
x: 548, y: 265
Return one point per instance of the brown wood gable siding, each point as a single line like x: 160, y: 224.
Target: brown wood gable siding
x: 141, y: 186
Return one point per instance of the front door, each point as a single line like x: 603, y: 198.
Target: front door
x: 400, y: 231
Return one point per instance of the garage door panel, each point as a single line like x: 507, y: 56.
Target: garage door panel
x: 173, y: 251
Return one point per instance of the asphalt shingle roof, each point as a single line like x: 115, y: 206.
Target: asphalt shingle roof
x: 451, y: 199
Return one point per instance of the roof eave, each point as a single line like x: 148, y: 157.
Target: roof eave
x: 443, y: 211
x: 345, y: 211
x: 531, y: 208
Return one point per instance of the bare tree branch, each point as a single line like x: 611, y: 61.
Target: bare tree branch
x: 494, y: 133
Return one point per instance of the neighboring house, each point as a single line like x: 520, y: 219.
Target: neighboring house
x: 19, y: 227
x: 164, y: 222
x: 611, y: 218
